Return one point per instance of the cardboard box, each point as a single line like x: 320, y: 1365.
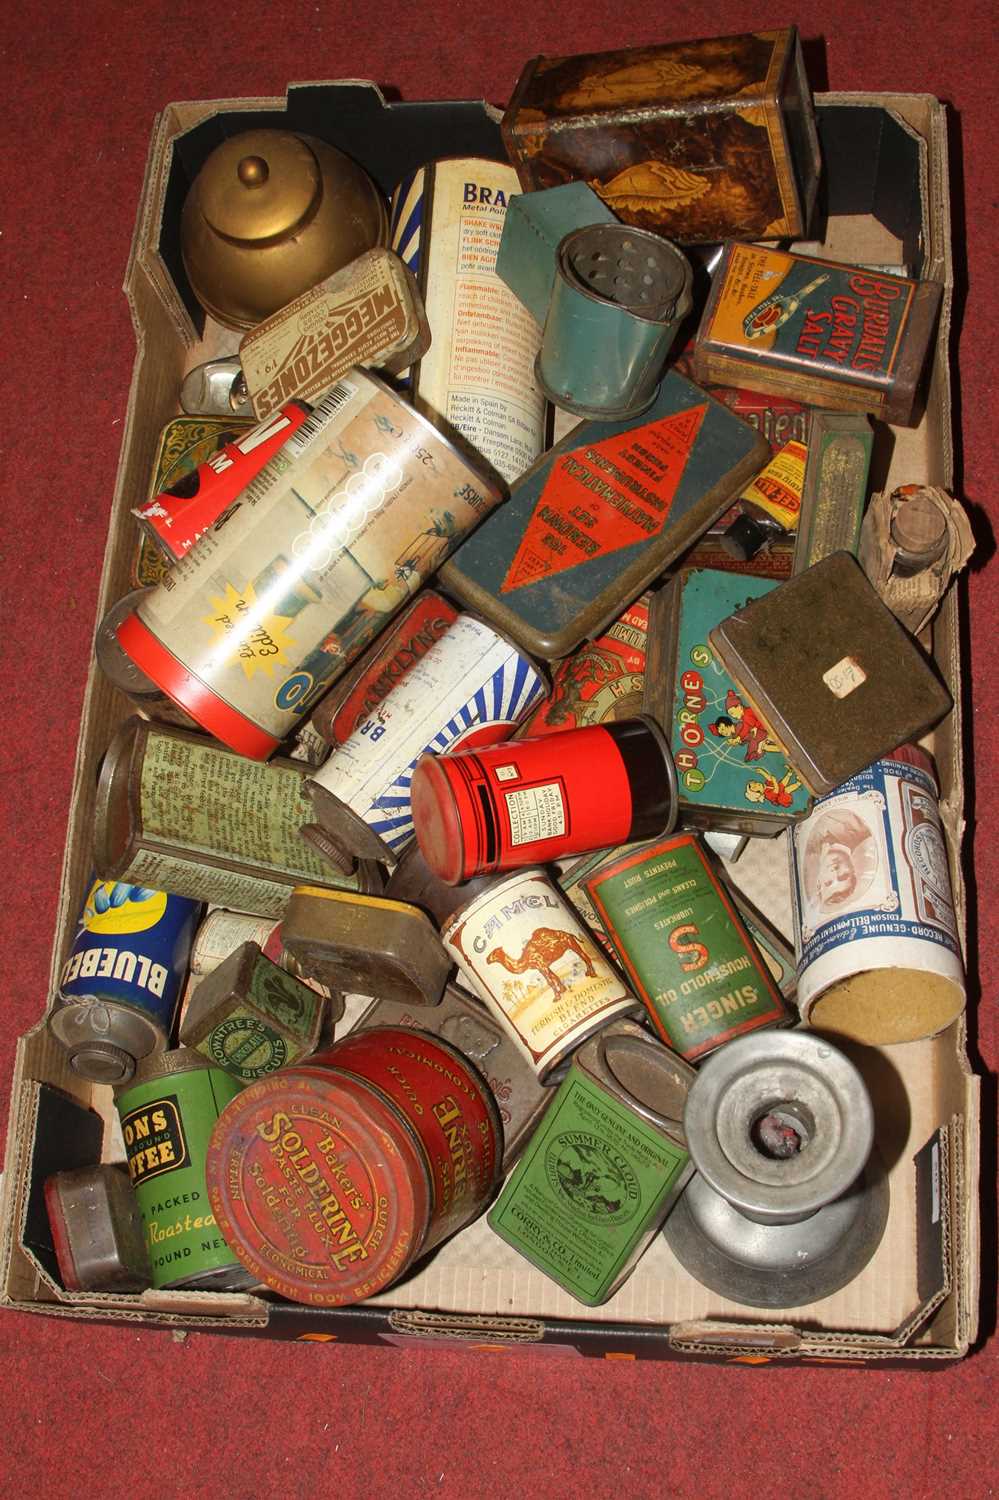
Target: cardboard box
x: 916, y: 1302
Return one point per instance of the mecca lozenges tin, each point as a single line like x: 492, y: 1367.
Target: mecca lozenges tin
x: 330, y: 1180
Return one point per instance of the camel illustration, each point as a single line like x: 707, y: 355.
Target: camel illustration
x: 542, y: 951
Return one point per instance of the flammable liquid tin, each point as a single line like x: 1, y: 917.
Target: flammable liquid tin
x: 521, y: 948
x: 307, y: 566
x: 605, y: 1166
x: 120, y: 985
x: 684, y: 946
x: 167, y: 1116
x: 470, y: 688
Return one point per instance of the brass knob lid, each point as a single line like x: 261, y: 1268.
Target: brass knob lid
x: 258, y: 186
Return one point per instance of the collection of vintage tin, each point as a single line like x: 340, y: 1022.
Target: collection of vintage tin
x: 523, y: 594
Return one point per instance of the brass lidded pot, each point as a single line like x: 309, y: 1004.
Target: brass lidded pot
x: 270, y: 215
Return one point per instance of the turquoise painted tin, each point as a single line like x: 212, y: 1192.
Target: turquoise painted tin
x: 535, y: 225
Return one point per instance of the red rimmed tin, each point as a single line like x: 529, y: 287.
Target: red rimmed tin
x: 329, y: 1180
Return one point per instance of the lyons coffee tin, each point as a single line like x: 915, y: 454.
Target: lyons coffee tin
x: 521, y: 948
x: 536, y: 800
x: 470, y: 688
x: 875, y: 929
x: 478, y: 374
x: 119, y: 987
x: 603, y: 680
x: 175, y: 810
x: 308, y: 565
x: 167, y: 1114
x: 605, y: 1166
x: 330, y: 1180
x: 684, y: 946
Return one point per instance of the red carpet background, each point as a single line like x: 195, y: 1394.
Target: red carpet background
x: 110, y: 1411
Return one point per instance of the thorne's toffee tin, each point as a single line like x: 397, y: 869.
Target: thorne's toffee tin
x: 684, y: 946
x: 307, y: 565
x: 536, y: 800
x: 330, y: 1180
x: 167, y: 1114
x: 523, y: 950
x: 605, y: 1166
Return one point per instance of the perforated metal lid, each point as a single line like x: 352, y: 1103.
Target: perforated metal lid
x: 629, y: 267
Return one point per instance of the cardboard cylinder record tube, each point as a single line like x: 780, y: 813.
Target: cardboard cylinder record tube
x: 531, y: 801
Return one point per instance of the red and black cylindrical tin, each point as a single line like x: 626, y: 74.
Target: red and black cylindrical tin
x: 329, y: 1180
x: 534, y: 800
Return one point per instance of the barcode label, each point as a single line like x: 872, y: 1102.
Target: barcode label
x: 324, y: 412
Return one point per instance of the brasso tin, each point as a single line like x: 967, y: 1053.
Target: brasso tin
x: 307, y: 565
x: 331, y: 1179
x: 471, y: 688
x: 535, y: 800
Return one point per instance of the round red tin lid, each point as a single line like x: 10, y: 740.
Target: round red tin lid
x: 436, y: 820
x: 318, y: 1187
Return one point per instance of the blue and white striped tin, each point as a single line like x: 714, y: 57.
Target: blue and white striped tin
x: 472, y: 687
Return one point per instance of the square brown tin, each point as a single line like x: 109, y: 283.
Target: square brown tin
x: 250, y: 1017
x: 97, y: 1230
x: 366, y: 945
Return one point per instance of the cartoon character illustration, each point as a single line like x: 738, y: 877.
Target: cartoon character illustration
x: 545, y: 947
x: 742, y: 725
x: 769, y: 789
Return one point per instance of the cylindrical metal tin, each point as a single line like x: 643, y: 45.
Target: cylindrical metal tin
x: 330, y: 1180
x: 122, y: 672
x: 605, y: 1166
x: 523, y: 950
x: 307, y: 566
x: 535, y: 800
x: 167, y: 1116
x: 478, y: 374
x: 176, y: 811
x: 97, y: 1230
x: 875, y: 930
x: 120, y: 985
x: 222, y: 932
x: 601, y: 681
x: 413, y: 880
x: 619, y: 297
x: 471, y: 688
x: 684, y: 946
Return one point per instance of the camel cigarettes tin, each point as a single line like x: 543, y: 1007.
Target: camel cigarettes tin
x: 250, y: 1017
x: 732, y: 772
x: 330, y: 1180
x: 537, y: 800
x: 831, y: 335
x: 97, y: 1230
x: 167, y: 1116
x: 522, y: 949
x: 602, y: 1171
x: 319, y: 551
x: 185, y: 444
x: 603, y: 680
x: 354, y: 698
x: 460, y: 1019
x: 478, y: 374
x: 368, y: 313
x: 684, y: 947
x: 119, y: 986
x: 470, y: 688
x: 831, y: 671
x: 840, y: 445
x: 175, y: 518
x: 589, y: 526
x: 366, y: 945
x: 175, y: 810
x: 875, y: 929
x: 535, y: 226
x: 122, y: 672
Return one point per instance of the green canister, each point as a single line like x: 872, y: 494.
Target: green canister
x: 605, y: 1166
x: 684, y: 946
x: 167, y: 1114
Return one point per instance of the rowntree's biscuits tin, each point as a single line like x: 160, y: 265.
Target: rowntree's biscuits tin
x: 167, y: 1115
x: 330, y: 1180
x: 119, y: 987
x: 875, y: 929
x: 251, y: 1018
x: 175, y: 810
x: 471, y: 688
x: 478, y: 374
x: 684, y: 946
x: 603, y: 680
x: 523, y: 950
x: 383, y: 666
x: 605, y: 1166
x: 307, y: 565
x: 537, y: 800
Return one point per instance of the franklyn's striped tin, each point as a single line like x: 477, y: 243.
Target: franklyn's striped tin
x: 471, y: 688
